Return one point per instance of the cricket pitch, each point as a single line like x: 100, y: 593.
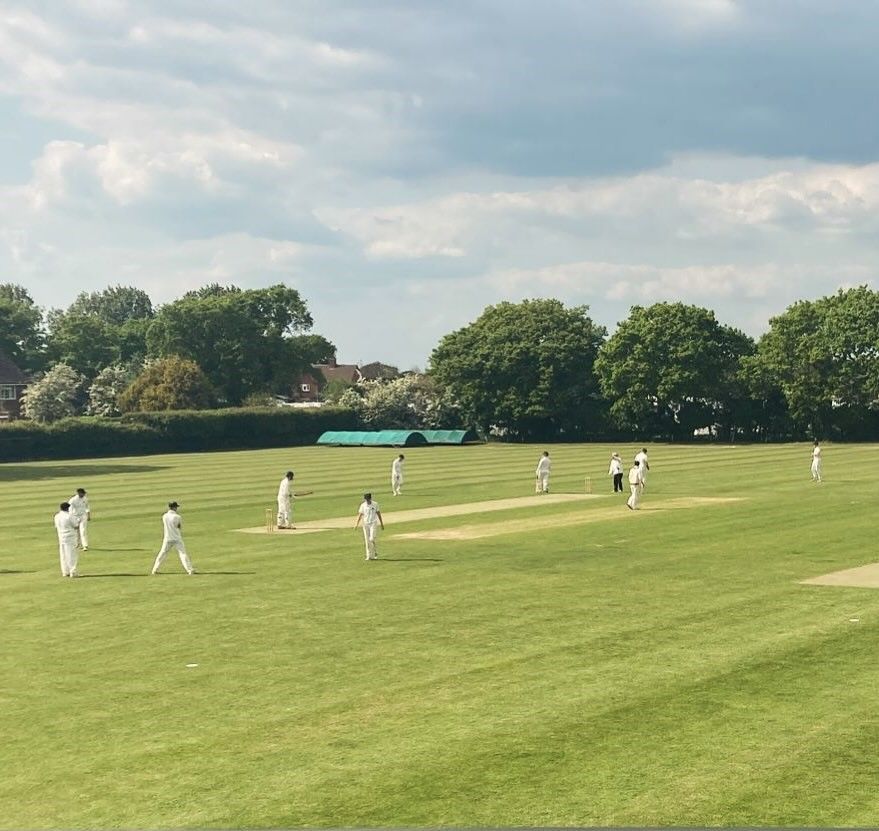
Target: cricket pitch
x: 515, y: 526
x: 417, y: 514
x: 862, y: 577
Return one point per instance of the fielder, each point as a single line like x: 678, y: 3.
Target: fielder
x: 616, y: 470
x: 544, y: 466
x: 66, y: 525
x: 79, y: 507
x: 635, y: 484
x: 643, y: 465
x: 285, y: 496
x: 816, y: 463
x: 397, y: 475
x: 172, y: 525
x: 372, y: 517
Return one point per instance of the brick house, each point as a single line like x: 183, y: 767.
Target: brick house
x: 310, y: 385
x: 13, y: 383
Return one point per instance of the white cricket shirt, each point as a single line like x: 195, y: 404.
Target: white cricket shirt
x: 66, y: 525
x: 369, y: 512
x: 172, y: 522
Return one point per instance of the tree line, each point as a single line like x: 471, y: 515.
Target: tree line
x: 539, y: 370
x: 535, y: 370
x: 111, y: 350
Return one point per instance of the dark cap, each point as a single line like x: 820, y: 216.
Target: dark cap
x: 81, y: 491
x: 367, y: 496
x: 64, y: 506
x: 173, y: 505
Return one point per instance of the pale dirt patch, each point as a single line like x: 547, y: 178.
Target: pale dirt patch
x: 862, y: 577
x: 518, y: 526
x: 417, y: 514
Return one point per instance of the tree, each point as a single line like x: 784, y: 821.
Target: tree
x: 21, y: 332
x: 409, y: 402
x: 56, y: 395
x: 244, y: 341
x: 115, y: 305
x: 525, y: 368
x: 171, y: 383
x: 101, y: 329
x: 671, y: 368
x: 823, y: 355
x: 84, y: 342
x: 105, y: 390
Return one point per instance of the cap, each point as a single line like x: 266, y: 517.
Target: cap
x: 173, y: 505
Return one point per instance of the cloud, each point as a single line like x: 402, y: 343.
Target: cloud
x: 818, y: 198
x: 443, y: 156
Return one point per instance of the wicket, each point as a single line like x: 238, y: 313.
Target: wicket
x: 588, y: 484
x: 270, y: 520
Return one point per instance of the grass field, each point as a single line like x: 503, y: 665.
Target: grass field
x: 664, y: 667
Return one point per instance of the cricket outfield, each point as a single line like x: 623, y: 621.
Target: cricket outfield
x: 546, y: 661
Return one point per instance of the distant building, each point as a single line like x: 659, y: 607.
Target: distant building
x: 310, y: 385
x: 13, y: 383
x: 379, y: 371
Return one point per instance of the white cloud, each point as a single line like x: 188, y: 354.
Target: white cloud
x: 453, y: 158
x: 700, y: 14
x: 822, y: 198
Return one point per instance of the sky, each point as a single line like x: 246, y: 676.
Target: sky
x: 405, y: 163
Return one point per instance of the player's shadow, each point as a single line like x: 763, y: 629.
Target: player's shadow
x: 410, y: 560
x: 115, y: 574
x: 102, y: 550
x: 16, y: 571
x: 162, y: 574
x: 25, y: 473
x: 226, y: 573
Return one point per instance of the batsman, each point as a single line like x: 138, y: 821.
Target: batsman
x: 285, y: 499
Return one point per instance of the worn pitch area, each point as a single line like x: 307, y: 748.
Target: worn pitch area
x: 415, y: 515
x: 515, y: 526
x: 862, y: 577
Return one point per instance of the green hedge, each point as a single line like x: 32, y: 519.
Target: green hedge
x: 139, y: 434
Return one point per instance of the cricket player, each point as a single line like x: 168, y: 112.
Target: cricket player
x: 285, y: 497
x: 371, y: 516
x: 172, y: 525
x: 816, y: 463
x: 544, y: 466
x: 79, y: 507
x: 643, y: 465
x: 397, y: 475
x: 66, y: 526
x: 635, y: 485
x: 616, y: 470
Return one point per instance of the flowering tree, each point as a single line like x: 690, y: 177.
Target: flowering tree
x: 56, y: 395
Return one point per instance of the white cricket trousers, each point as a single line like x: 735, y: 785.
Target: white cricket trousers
x: 542, y: 485
x: 285, y: 513
x: 816, y: 470
x: 67, y: 552
x: 635, y: 499
x: 84, y: 533
x: 369, y: 534
x: 167, y: 545
x: 397, y: 485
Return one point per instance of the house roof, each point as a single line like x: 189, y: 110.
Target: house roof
x: 341, y: 372
x: 10, y: 373
x: 378, y: 370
